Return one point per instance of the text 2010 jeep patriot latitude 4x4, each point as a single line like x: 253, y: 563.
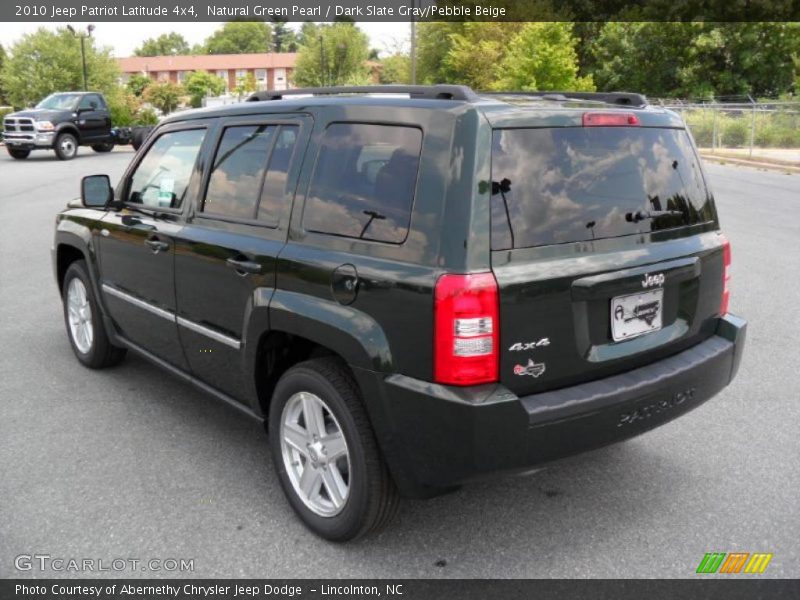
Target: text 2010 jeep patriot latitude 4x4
x: 412, y: 289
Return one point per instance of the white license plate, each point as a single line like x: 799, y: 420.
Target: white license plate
x: 636, y: 314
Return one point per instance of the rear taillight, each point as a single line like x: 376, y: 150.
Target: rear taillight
x: 726, y: 277
x: 615, y: 119
x: 466, y: 328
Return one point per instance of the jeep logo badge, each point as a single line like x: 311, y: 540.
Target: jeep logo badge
x: 651, y: 280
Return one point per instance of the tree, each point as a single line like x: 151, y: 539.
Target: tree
x: 201, y: 84
x: 500, y: 55
x: 138, y: 83
x: 335, y: 56
x: 123, y: 106
x: 47, y: 61
x: 240, y: 37
x: 167, y: 44
x: 2, y: 60
x: 164, y: 95
x: 284, y: 39
x: 542, y: 56
x: 245, y: 85
x: 697, y: 59
x: 434, y: 41
x: 396, y: 69
x: 476, y: 52
x: 308, y: 32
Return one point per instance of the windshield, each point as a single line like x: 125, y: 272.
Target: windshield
x: 60, y: 102
x: 570, y: 184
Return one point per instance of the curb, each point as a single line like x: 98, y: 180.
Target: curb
x: 750, y: 163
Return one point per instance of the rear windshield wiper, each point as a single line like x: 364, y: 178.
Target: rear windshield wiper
x: 641, y: 215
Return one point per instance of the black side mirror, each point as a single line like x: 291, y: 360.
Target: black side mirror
x: 96, y: 191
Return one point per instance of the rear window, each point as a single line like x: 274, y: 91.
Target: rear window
x: 570, y: 184
x: 364, y: 181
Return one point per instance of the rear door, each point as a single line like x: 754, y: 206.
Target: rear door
x: 605, y: 249
x: 226, y: 254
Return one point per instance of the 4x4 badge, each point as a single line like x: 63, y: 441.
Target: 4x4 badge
x: 529, y: 345
x: 532, y: 368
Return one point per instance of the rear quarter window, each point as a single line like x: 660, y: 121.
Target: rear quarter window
x: 570, y: 184
x: 364, y: 181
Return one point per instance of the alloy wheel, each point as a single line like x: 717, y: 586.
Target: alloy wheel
x: 315, y: 454
x: 80, y: 316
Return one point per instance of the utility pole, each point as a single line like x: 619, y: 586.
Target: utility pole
x: 83, y: 36
x: 413, y: 47
x: 321, y: 61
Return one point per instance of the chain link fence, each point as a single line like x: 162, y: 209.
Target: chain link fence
x: 743, y: 128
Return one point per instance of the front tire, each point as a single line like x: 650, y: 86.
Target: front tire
x: 326, y: 455
x: 105, y: 147
x: 85, y: 330
x: 18, y: 154
x: 66, y: 146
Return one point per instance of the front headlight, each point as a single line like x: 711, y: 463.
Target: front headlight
x: 44, y: 126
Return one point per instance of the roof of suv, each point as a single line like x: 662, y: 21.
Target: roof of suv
x: 500, y: 108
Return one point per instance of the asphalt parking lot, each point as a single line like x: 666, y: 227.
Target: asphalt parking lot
x: 132, y: 463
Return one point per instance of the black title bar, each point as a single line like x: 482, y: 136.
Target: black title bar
x: 706, y: 587
x: 399, y: 10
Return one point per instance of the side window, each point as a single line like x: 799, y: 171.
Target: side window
x: 161, y: 178
x: 273, y: 194
x: 234, y: 186
x: 364, y: 181
x: 87, y: 101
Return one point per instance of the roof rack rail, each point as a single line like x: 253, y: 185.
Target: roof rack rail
x: 426, y: 92
x: 621, y: 98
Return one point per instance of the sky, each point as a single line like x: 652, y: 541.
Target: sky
x: 124, y: 37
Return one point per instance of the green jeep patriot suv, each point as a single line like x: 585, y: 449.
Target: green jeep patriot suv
x: 412, y: 286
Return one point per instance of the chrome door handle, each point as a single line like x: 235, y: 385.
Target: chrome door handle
x: 244, y: 267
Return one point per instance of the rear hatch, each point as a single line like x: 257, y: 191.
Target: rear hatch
x: 605, y: 246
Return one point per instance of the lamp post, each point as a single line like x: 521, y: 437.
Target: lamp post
x: 83, y: 36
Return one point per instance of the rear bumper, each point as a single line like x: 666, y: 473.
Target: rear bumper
x: 435, y: 437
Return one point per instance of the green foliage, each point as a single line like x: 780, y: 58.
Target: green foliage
x: 200, y: 84
x: 146, y: 116
x: 477, y: 51
x: 284, y: 39
x: 4, y: 110
x: 502, y: 55
x: 2, y: 60
x: 164, y: 95
x: 434, y: 42
x: 542, y: 56
x: 776, y: 129
x: 138, y: 83
x: 167, y: 44
x: 48, y: 61
x: 696, y: 59
x: 245, y: 85
x: 240, y: 37
x: 123, y: 106
x: 335, y: 55
x: 396, y: 69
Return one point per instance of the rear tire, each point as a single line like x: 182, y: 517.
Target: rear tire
x: 66, y: 146
x: 364, y: 497
x: 105, y: 147
x: 85, y: 330
x: 18, y: 154
x: 138, y: 136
